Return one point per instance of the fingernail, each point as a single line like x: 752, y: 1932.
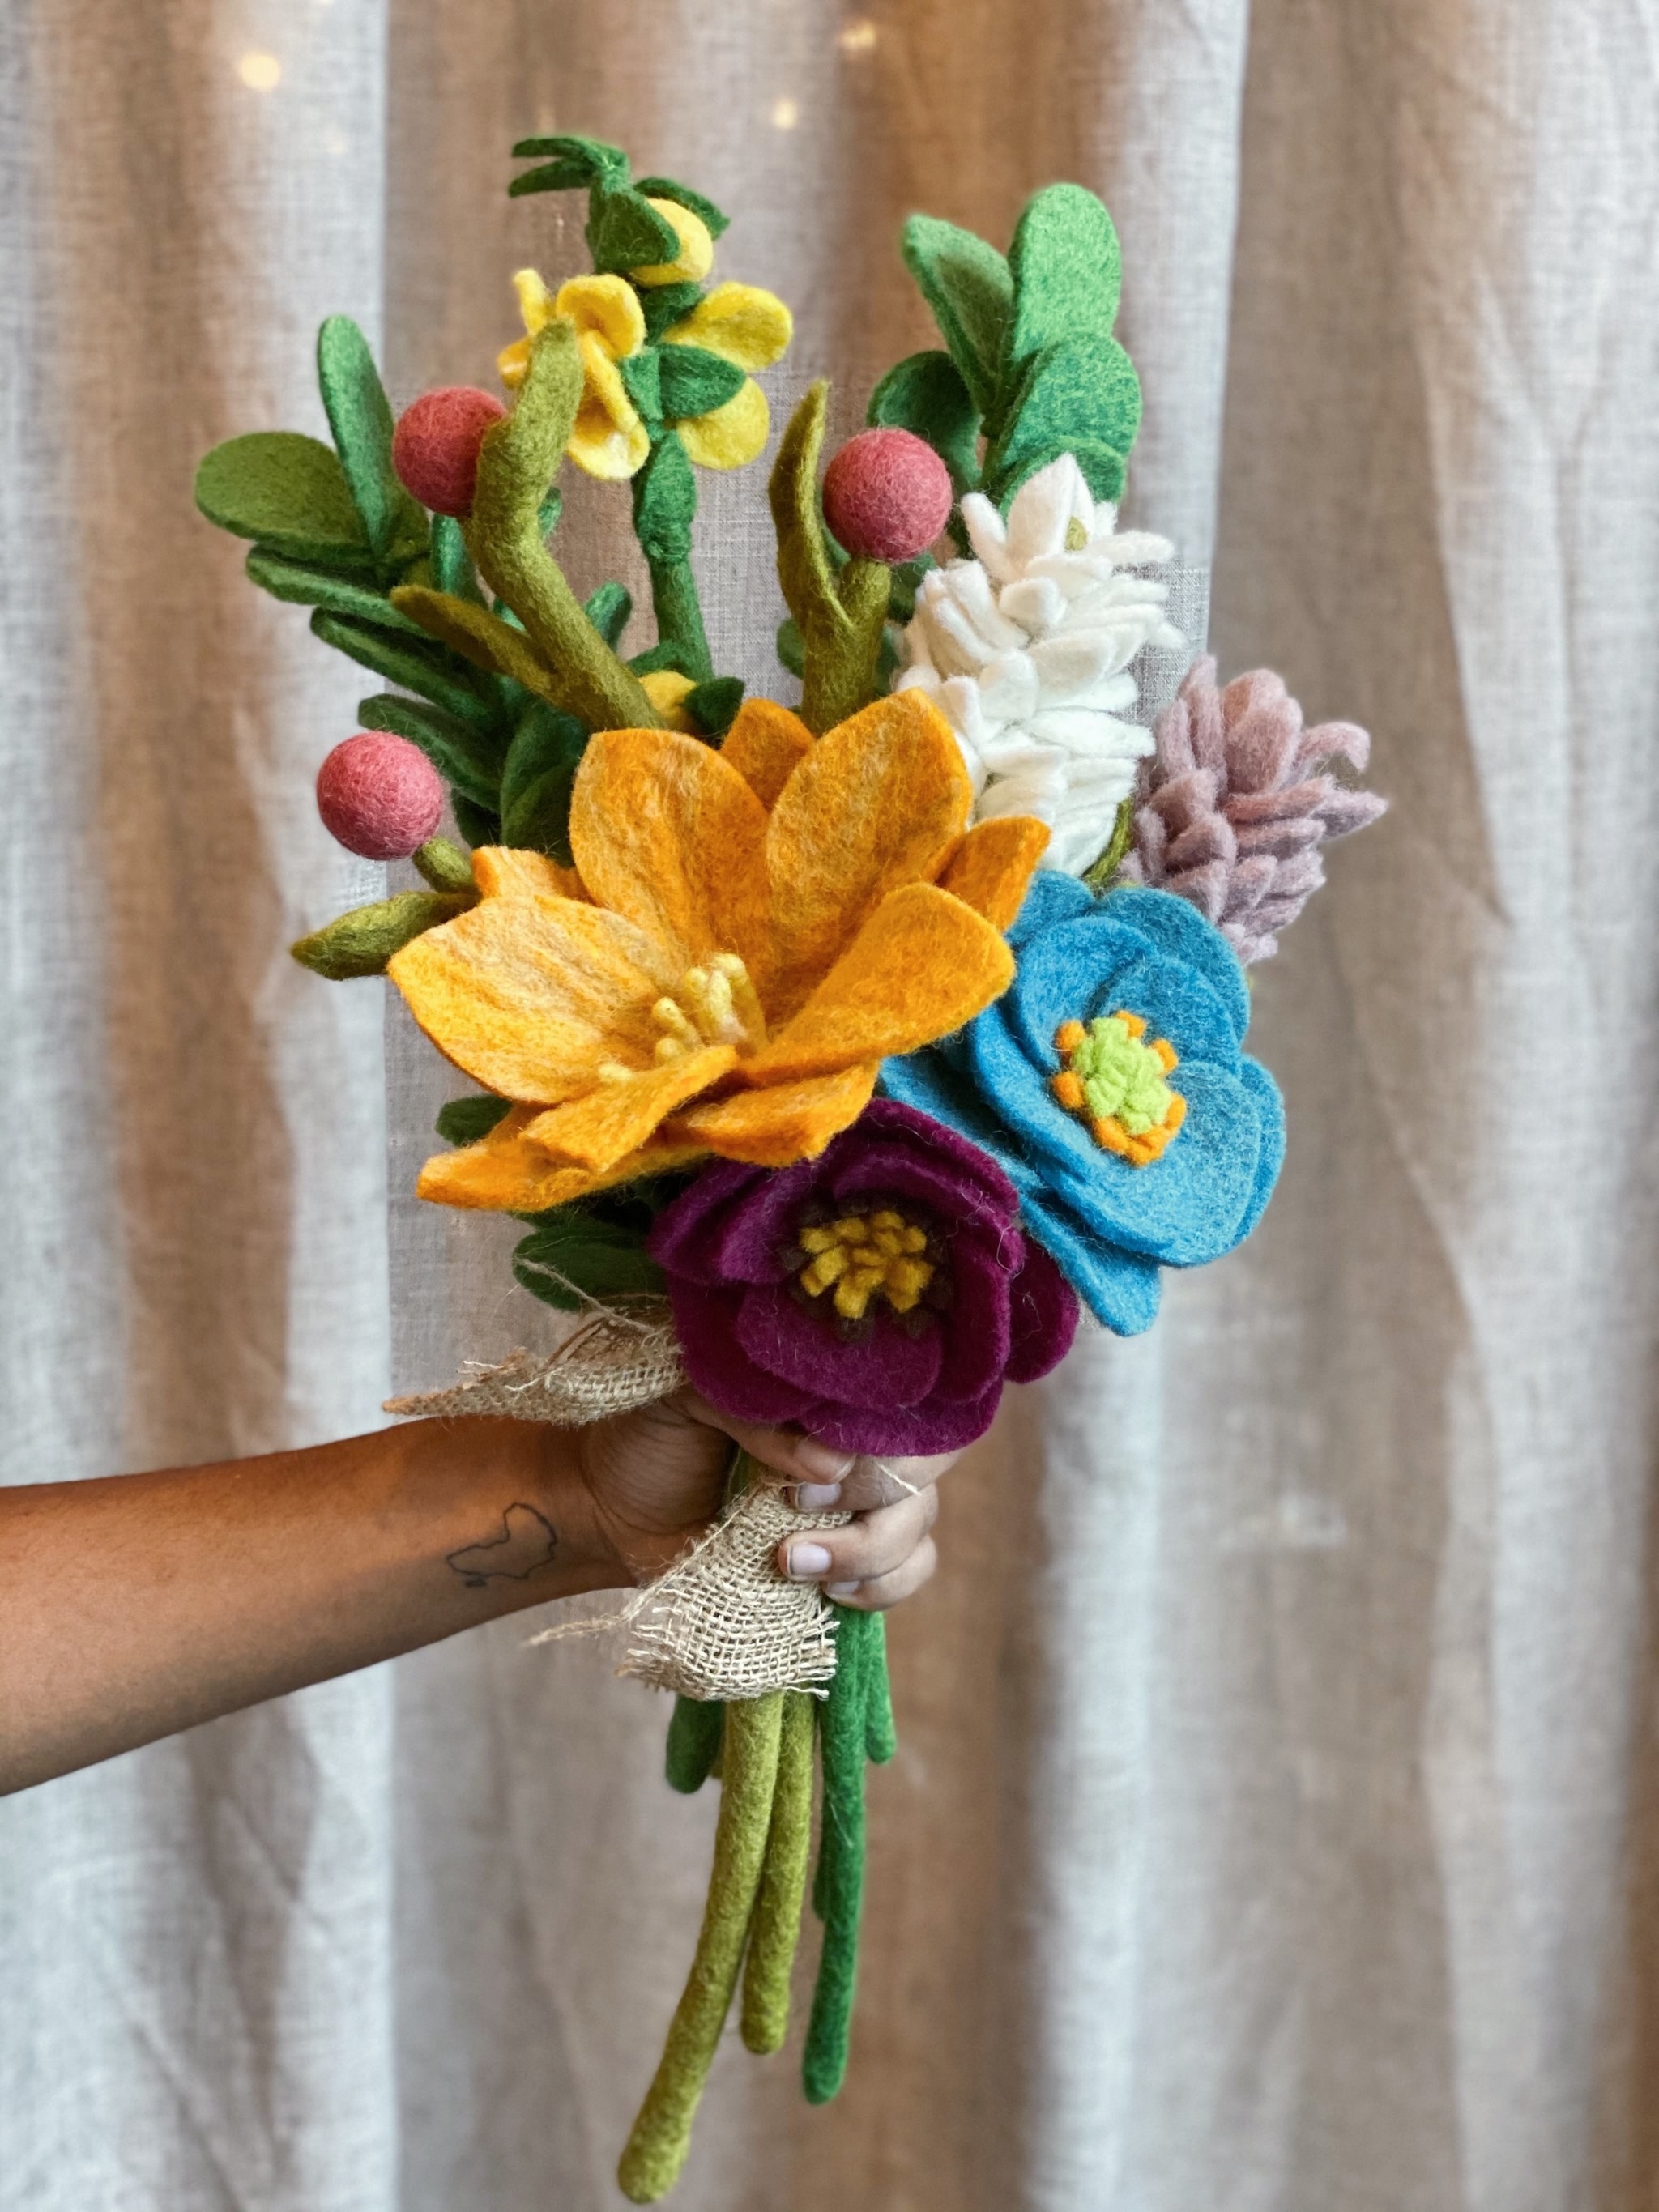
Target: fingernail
x: 808, y: 1561
x: 818, y: 1496
x: 813, y: 1458
x: 841, y: 1589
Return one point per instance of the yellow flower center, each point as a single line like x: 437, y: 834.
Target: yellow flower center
x: 867, y: 1255
x: 1118, y: 1082
x: 714, y: 1003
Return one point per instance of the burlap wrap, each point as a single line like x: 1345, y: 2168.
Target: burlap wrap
x: 722, y: 1622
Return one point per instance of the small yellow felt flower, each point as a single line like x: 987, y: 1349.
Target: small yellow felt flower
x: 750, y: 328
x: 608, y: 438
x: 695, y: 257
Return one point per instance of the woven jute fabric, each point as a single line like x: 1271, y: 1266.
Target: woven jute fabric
x: 614, y: 1362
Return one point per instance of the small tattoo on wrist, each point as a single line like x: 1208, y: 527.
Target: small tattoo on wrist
x: 528, y: 1542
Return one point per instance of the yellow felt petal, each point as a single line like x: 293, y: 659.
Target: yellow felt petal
x: 666, y: 833
x: 607, y: 438
x: 879, y: 801
x: 922, y: 965
x: 766, y: 743
x: 508, y: 871
x: 505, y: 1172
x: 606, y: 308
x: 513, y: 364
x: 532, y: 993
x: 616, y: 1118
x: 989, y: 871
x: 741, y: 323
x: 537, y: 305
x: 785, y: 1122
x: 695, y: 257
x: 667, y: 690
x: 731, y: 436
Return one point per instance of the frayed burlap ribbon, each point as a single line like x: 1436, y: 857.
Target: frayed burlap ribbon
x: 722, y: 1622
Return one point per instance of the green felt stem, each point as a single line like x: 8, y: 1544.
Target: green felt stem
x: 841, y: 655
x: 880, y: 1731
x: 1100, y: 872
x: 679, y: 616
x: 777, y: 1929
x: 838, y: 1886
x: 656, y: 2149
x: 694, y: 1741
x: 517, y: 461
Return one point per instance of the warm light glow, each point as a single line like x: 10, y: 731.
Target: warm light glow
x: 786, y: 113
x: 858, y: 37
x: 260, y: 72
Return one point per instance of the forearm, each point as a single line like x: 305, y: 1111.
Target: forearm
x: 132, y: 1606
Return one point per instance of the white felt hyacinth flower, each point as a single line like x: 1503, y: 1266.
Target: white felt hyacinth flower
x: 1026, y: 648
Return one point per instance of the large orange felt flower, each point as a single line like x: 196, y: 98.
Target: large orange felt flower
x: 746, y: 936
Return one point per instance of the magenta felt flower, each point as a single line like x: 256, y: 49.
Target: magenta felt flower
x: 879, y: 1296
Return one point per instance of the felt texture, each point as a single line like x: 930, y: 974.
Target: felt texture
x: 609, y: 1122
x: 775, y: 1931
x: 379, y: 796
x: 573, y: 1259
x: 712, y: 703
x: 887, y: 495
x: 624, y: 231
x: 766, y: 743
x: 748, y: 327
x: 694, y: 1739
x: 505, y: 1172
x: 444, y: 865
x: 537, y: 779
x: 970, y: 289
x: 452, y: 564
x: 1239, y: 800
x: 462, y: 755
x: 608, y: 610
x: 501, y: 871
x: 661, y: 2135
x: 1075, y: 397
x: 668, y: 690
x: 464, y: 1121
x: 694, y: 381
x: 925, y: 393
x: 1108, y: 1222
x: 434, y: 447
x: 989, y: 871
x: 669, y: 188
x: 664, y: 503
x: 288, y: 493
x: 360, y: 419
x: 913, y: 1377
x: 362, y: 942
x: 483, y: 639
x: 547, y: 1000
x: 517, y: 461
x: 880, y: 1730
x: 841, y: 619
x: 838, y: 1884
x: 301, y: 583
x: 420, y: 664
x: 732, y: 435
x: 479, y: 825
x: 695, y: 254
x: 1067, y: 271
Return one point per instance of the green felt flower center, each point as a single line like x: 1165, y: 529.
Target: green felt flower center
x: 1118, y: 1082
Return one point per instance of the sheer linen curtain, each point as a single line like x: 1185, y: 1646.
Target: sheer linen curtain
x: 1276, y: 1826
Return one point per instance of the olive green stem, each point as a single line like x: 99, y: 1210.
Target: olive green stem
x: 777, y: 1929
x: 841, y: 654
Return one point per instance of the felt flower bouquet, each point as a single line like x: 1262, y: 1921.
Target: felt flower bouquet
x: 841, y: 1052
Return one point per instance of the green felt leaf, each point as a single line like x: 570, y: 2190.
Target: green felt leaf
x: 417, y: 664
x: 664, y: 305
x: 359, y: 416
x: 300, y: 584
x: 535, y: 782
x: 576, y: 1257
x: 1067, y: 269
x: 926, y: 395
x: 608, y: 610
x: 792, y: 646
x: 642, y: 380
x: 479, y: 825
x: 362, y: 942
x: 804, y: 565
x: 696, y: 382
x: 713, y: 704
x: 668, y: 188
x: 1104, y: 471
x: 624, y: 231
x: 444, y: 865
x: 486, y: 640
x: 464, y: 1120
x: 666, y: 501
x: 569, y: 161
x: 1078, y: 392
x: 288, y: 493
x: 907, y: 578
x: 452, y: 564
x: 548, y: 513
x: 666, y: 653
x: 967, y: 285
x: 463, y: 756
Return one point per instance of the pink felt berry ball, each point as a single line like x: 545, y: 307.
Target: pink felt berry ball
x: 886, y: 495
x: 380, y: 796
x: 434, y: 447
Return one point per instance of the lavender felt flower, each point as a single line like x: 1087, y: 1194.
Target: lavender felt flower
x: 1237, y: 804
x: 880, y: 1295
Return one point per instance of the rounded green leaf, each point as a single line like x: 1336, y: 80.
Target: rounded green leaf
x: 362, y: 942
x: 667, y: 188
x: 624, y: 231
x: 1067, y: 269
x: 694, y: 381
x: 926, y: 395
x: 967, y: 285
x: 1080, y: 394
x: 285, y: 491
x: 360, y: 415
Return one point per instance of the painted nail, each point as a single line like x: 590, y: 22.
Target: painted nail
x: 841, y: 1590
x: 818, y: 1496
x: 823, y: 1459
x: 808, y: 1561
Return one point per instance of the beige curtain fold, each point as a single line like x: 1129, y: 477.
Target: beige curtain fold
x: 1273, y: 1823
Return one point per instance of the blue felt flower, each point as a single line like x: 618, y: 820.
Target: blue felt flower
x: 1134, y: 974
